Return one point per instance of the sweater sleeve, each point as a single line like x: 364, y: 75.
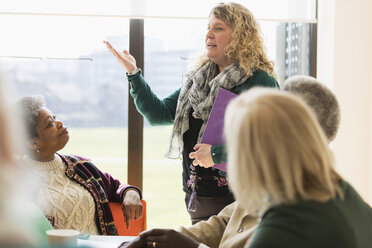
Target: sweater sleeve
x: 156, y: 111
x: 218, y: 154
x: 210, y: 232
x: 115, y: 190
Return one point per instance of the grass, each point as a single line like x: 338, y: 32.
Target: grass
x: 162, y: 189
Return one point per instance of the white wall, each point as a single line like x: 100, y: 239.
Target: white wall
x: 345, y: 64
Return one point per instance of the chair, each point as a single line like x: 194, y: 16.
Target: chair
x: 136, y: 226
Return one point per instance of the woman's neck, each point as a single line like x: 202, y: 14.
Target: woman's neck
x: 45, y: 157
x: 221, y: 67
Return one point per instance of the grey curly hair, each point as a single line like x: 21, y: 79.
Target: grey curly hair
x: 320, y: 99
x: 29, y: 107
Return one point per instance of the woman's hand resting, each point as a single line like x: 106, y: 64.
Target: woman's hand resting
x: 132, y: 206
x: 161, y: 238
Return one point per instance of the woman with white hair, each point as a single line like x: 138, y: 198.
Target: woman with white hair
x: 320, y: 99
x: 280, y: 167
x: 74, y: 194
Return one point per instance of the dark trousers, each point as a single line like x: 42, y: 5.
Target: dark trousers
x: 207, y: 206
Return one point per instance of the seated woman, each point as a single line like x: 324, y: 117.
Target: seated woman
x: 75, y: 194
x: 319, y: 98
x: 280, y: 167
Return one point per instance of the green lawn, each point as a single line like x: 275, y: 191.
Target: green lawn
x: 162, y: 189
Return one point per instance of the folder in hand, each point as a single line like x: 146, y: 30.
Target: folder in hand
x: 213, y: 133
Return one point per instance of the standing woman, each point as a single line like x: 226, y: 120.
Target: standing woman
x: 234, y: 60
x: 285, y: 173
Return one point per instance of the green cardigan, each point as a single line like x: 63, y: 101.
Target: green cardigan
x: 339, y: 223
x: 162, y: 112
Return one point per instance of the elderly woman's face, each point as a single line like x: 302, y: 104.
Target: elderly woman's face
x: 52, y: 135
x: 216, y: 41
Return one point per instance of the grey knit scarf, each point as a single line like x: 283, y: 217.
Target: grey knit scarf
x: 198, y: 93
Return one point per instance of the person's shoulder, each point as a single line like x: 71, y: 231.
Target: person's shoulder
x: 75, y: 158
x: 308, y: 216
x: 283, y: 226
x: 278, y: 228
x: 352, y: 204
x: 310, y: 219
x: 262, y: 78
x: 79, y: 161
x: 81, y: 158
x: 303, y: 211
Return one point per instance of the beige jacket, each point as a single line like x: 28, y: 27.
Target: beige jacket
x: 231, y: 228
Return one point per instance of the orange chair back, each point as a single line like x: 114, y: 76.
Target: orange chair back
x: 136, y: 226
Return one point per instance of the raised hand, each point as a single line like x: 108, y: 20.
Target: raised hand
x: 125, y: 59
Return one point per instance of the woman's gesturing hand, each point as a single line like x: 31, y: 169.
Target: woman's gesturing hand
x: 127, y: 60
x: 202, y: 155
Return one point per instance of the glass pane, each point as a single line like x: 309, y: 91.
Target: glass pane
x: 64, y: 59
x: 262, y: 9
x: 108, y: 7
x: 289, y: 47
x: 279, y: 9
x: 168, y: 45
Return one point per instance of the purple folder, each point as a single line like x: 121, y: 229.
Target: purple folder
x: 213, y: 133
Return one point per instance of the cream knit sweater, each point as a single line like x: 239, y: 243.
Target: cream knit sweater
x: 71, y: 205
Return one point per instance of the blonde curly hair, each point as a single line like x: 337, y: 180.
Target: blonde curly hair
x: 246, y: 46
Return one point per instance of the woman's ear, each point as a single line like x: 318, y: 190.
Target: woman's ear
x: 33, y: 144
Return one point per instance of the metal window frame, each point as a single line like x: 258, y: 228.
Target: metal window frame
x: 135, y: 120
x: 313, y: 43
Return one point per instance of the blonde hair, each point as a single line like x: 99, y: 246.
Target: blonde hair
x: 277, y: 151
x: 246, y: 46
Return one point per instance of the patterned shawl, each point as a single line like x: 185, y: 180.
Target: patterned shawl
x: 198, y: 93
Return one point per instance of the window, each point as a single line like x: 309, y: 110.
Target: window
x: 55, y: 48
x: 64, y: 59
x: 169, y: 45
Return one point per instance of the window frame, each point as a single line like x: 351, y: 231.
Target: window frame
x: 135, y: 120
